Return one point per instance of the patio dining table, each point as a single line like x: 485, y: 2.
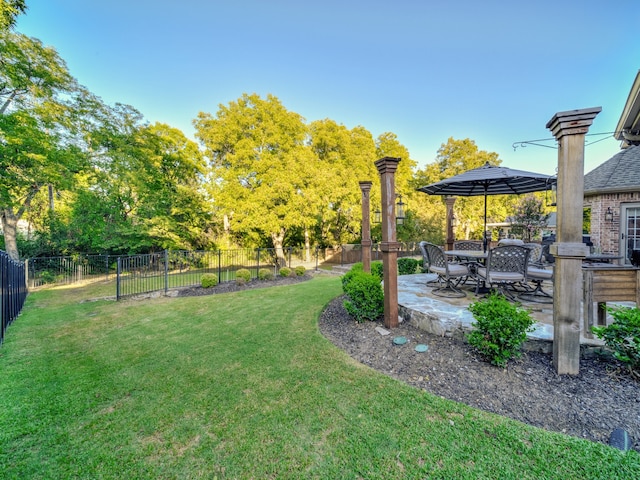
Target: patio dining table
x: 473, y: 258
x: 468, y: 254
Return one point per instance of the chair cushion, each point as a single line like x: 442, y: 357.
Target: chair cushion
x: 438, y: 270
x: 539, y: 273
x: 457, y: 270
x: 505, y: 277
x: 510, y: 241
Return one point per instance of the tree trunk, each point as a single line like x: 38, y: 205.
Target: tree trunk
x: 9, y: 229
x: 278, y: 240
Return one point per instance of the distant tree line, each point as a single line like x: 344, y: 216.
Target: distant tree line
x: 84, y: 176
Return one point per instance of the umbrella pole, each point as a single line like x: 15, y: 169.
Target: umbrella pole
x: 484, y: 232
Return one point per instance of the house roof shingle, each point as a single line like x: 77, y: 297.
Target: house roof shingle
x: 621, y: 173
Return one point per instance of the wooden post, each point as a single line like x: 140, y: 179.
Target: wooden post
x: 449, y: 201
x: 569, y: 129
x: 389, y: 246
x: 365, y: 188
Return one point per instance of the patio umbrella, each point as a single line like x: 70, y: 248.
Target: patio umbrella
x: 490, y: 180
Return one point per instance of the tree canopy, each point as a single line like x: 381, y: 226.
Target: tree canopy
x: 261, y: 176
x: 9, y: 10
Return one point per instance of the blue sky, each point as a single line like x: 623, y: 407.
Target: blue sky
x: 493, y: 71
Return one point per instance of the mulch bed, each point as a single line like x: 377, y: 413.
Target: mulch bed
x: 590, y: 405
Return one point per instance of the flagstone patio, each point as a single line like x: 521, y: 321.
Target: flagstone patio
x: 451, y: 317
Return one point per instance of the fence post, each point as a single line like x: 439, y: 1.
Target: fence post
x: 219, y: 266
x: 106, y: 267
x: 166, y: 271
x: 258, y: 267
x: 118, y: 267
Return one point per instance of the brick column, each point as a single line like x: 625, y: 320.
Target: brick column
x: 389, y: 246
x: 569, y: 129
x: 365, y: 188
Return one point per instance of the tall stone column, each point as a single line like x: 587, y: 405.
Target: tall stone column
x: 365, y: 188
x: 569, y: 129
x: 389, y: 246
x: 449, y: 201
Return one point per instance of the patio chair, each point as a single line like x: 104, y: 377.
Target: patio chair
x: 537, y: 273
x: 467, y: 245
x: 426, y: 263
x: 448, y: 272
x: 505, y: 270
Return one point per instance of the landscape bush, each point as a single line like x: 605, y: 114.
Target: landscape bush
x: 377, y: 269
x: 622, y: 337
x: 265, y: 274
x: 285, y: 272
x: 408, y: 266
x: 500, y: 328
x: 242, y: 276
x: 365, y: 296
x: 209, y: 280
x: 300, y: 270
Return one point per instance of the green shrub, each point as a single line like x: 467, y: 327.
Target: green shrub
x: 47, y: 277
x: 346, y: 278
x: 265, y: 274
x: 242, y: 276
x: 356, y: 267
x: 500, y: 328
x: 209, y: 280
x: 300, y: 270
x: 377, y: 269
x: 623, y: 337
x: 285, y: 272
x: 365, y: 297
x: 408, y: 265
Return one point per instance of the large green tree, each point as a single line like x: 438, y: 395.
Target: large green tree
x: 259, y: 176
x: 40, y: 139
x: 144, y: 192
x: 9, y: 10
x: 458, y: 156
x: 343, y: 158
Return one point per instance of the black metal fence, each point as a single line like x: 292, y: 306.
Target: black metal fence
x: 13, y: 290
x: 69, y: 269
x: 140, y: 274
x: 146, y: 273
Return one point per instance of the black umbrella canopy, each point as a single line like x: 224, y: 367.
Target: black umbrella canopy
x: 490, y: 180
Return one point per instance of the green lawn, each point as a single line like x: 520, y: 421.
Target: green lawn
x: 241, y: 386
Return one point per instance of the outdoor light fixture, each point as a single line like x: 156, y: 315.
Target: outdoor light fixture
x: 454, y: 221
x: 400, y: 210
x: 608, y: 216
x: 552, y: 196
x: 377, y: 216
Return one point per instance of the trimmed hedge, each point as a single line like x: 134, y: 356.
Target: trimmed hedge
x: 209, y: 280
x: 365, y: 296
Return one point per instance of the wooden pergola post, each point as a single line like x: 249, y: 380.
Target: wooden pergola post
x: 449, y: 201
x: 389, y: 246
x: 365, y: 188
x: 569, y: 129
